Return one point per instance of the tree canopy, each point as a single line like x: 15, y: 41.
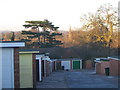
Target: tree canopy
x: 44, y: 38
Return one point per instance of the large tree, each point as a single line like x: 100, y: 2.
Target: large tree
x: 101, y: 25
x: 45, y: 37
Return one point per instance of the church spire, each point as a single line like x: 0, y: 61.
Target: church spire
x: 70, y: 34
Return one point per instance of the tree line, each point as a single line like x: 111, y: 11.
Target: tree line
x: 98, y: 36
x: 99, y: 29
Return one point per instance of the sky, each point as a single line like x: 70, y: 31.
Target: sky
x: 62, y: 13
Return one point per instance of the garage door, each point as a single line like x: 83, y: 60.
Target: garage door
x: 26, y: 76
x: 7, y: 68
x: 66, y: 64
x: 76, y: 64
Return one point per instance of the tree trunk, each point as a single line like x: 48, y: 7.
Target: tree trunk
x: 44, y: 36
x: 38, y: 36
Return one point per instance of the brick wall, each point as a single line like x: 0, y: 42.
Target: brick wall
x: 47, y: 68
x: 119, y: 67
x: 71, y: 64
x: 53, y: 66
x: 88, y: 64
x: 16, y: 68
x: 114, y: 67
x: 98, y: 68
x: 58, y: 65
x: 104, y: 64
x: 34, y: 70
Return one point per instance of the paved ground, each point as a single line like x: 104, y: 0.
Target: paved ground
x: 78, y: 79
x: 54, y: 80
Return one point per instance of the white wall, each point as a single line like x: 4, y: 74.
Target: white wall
x: 38, y: 57
x: 66, y: 64
x: 81, y: 64
x: 7, y: 68
x: 0, y: 68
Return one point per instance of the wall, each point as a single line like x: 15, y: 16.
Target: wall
x: 114, y: 67
x: 71, y: 64
x: 26, y: 72
x: 7, y: 68
x: 50, y: 67
x: 58, y: 65
x: 53, y: 66
x: 88, y: 64
x: 34, y: 69
x: 0, y: 68
x: 119, y: 68
x: 16, y: 68
x: 38, y: 57
x: 47, y: 68
x: 98, y: 68
x: 66, y: 64
x: 104, y: 64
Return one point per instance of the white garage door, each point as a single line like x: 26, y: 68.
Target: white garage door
x: 0, y: 68
x: 66, y: 64
x: 7, y: 68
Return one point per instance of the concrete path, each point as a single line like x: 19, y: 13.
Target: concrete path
x: 54, y: 80
x: 78, y: 79
x: 89, y: 79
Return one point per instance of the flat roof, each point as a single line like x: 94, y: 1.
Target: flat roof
x: 28, y: 51
x: 115, y: 57
x: 9, y: 41
x: 12, y: 44
x: 69, y: 59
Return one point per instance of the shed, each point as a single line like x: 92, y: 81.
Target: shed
x: 27, y: 65
x: 114, y: 66
x: 104, y: 64
x: 10, y: 63
x: 69, y: 64
x: 101, y: 64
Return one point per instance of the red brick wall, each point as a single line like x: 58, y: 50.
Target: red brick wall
x: 53, y: 66
x: 114, y: 66
x: 16, y: 68
x: 88, y: 64
x: 119, y: 67
x: 34, y: 70
x: 98, y: 68
x: 58, y: 65
x: 71, y: 64
x: 104, y: 64
x: 47, y: 68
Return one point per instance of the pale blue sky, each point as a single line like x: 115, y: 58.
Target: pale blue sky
x: 63, y: 13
